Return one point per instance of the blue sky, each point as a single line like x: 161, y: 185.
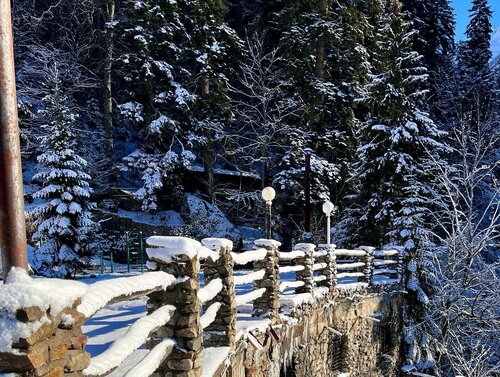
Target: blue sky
x: 461, y: 9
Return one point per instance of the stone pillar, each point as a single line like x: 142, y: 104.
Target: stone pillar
x: 55, y: 349
x: 184, y: 327
x: 307, y: 274
x: 268, y: 304
x: 222, y: 331
x: 329, y: 272
x: 368, y: 268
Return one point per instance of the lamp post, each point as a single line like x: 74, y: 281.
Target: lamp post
x: 268, y: 194
x: 328, y: 208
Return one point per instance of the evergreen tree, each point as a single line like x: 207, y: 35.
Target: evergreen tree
x: 476, y: 57
x: 63, y: 221
x: 215, y: 51
x: 434, y: 23
x: 399, y: 146
x: 323, y: 47
x: 157, y: 95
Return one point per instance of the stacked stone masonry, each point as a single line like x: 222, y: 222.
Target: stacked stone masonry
x: 184, y: 326
x: 56, y: 349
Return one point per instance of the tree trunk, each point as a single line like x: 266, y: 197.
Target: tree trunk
x: 108, y: 94
x: 319, y: 68
x: 208, y: 153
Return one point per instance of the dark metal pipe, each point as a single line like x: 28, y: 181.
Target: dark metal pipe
x: 12, y: 221
x: 307, y: 194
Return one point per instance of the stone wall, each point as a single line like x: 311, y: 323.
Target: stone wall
x: 341, y: 336
x: 56, y: 349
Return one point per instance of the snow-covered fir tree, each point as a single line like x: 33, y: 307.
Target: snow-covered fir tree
x: 476, y: 56
x: 324, y: 50
x: 63, y: 220
x: 215, y: 51
x: 157, y: 99
x: 395, y: 168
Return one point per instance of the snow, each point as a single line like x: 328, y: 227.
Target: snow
x: 21, y: 291
x: 290, y: 284
x: 211, y: 290
x: 213, y: 357
x: 286, y: 269
x: 249, y: 256
x: 101, y: 293
x: 217, y: 243
x: 265, y: 242
x: 126, y: 345
x: 245, y: 322
x: 350, y: 275
x: 305, y: 247
x: 174, y: 246
x: 205, y: 253
x: 295, y: 300
x: 209, y: 316
x: 249, y: 278
x: 150, y: 363
x: 160, y: 218
x: 247, y: 297
x: 350, y: 253
x: 168, y: 255
x: 151, y: 265
x: 385, y: 253
x: 352, y: 286
x: 319, y: 266
x: 349, y: 266
x: 384, y: 262
x: 291, y: 255
x: 317, y: 279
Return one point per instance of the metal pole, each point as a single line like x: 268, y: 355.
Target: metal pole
x: 307, y: 194
x: 12, y: 221
x: 269, y: 230
x: 141, y: 251
x: 328, y: 229
x: 128, y: 252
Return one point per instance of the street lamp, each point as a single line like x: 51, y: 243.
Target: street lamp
x: 328, y: 208
x: 268, y: 194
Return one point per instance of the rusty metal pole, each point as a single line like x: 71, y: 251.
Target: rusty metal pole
x: 12, y: 221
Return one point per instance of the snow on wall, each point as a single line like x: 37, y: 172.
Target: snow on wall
x: 249, y: 278
x: 211, y: 290
x: 101, y: 293
x: 22, y: 291
x: 249, y: 256
x: 247, y: 297
x: 150, y: 363
x: 123, y: 347
x: 209, y: 316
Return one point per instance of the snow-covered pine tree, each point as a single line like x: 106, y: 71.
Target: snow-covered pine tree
x: 395, y: 168
x: 434, y: 23
x: 215, y: 50
x: 476, y: 59
x: 324, y: 53
x: 63, y: 221
x: 157, y: 97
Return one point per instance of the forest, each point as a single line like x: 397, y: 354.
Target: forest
x: 149, y: 106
